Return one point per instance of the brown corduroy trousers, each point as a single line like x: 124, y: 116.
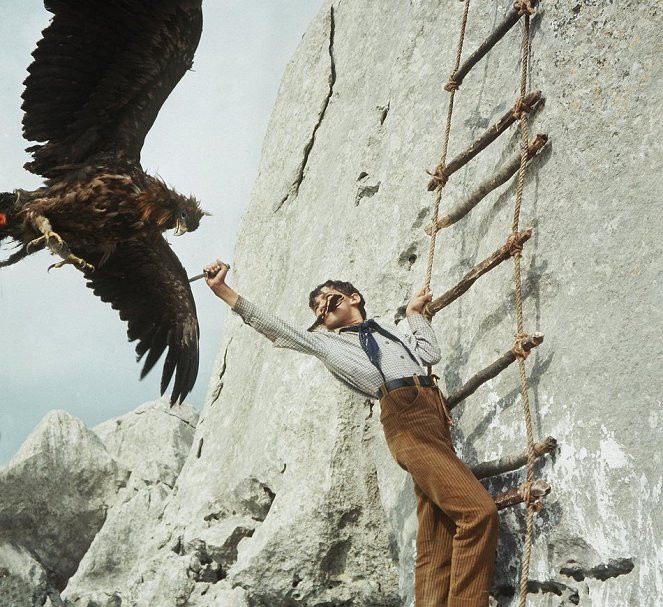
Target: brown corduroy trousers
x: 457, y: 533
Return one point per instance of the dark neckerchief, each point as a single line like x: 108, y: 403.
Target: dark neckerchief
x: 370, y: 345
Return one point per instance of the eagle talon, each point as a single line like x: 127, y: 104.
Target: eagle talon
x: 70, y: 259
x: 52, y: 239
x: 37, y: 242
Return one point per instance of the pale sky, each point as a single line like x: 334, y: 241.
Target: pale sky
x: 60, y: 347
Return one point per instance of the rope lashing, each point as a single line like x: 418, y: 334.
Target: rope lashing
x: 439, y: 176
x: 518, y: 346
x: 526, y: 491
x: 524, y: 7
x: 452, y: 84
x: 521, y: 107
x: 515, y: 243
x: 530, y: 497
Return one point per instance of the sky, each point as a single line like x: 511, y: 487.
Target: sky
x: 61, y: 347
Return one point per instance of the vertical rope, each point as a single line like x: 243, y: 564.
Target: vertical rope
x: 452, y: 87
x: 526, y: 9
x: 524, y: 387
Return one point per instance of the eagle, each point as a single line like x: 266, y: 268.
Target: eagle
x: 101, y: 72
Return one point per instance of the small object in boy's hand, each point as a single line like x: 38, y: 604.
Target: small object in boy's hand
x: 207, y: 274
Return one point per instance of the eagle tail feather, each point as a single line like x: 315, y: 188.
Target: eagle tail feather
x: 167, y: 374
x: 157, y: 346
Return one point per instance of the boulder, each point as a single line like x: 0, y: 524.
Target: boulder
x: 55, y: 493
x: 23, y: 581
x: 122, y: 542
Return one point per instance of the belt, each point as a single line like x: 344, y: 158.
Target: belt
x: 427, y: 381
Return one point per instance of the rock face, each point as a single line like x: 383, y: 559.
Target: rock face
x: 23, y: 581
x: 69, y: 487
x: 288, y: 495
x: 55, y: 492
x: 151, y: 443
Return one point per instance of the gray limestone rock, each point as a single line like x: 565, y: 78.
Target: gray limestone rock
x: 55, y: 493
x: 151, y: 442
x: 115, y: 552
x: 23, y: 581
x: 355, y: 210
x: 69, y: 489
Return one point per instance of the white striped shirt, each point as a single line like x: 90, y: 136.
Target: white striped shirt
x: 342, y: 353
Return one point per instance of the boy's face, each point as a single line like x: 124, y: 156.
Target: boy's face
x: 346, y: 312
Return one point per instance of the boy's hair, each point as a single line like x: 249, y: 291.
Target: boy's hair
x: 346, y: 288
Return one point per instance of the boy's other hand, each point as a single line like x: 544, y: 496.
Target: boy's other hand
x: 418, y: 303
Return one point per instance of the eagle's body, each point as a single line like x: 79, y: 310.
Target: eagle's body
x: 101, y: 73
x: 97, y: 207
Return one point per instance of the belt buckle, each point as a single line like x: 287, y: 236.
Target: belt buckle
x: 425, y: 381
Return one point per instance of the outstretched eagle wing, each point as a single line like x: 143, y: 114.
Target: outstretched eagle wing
x: 101, y: 73
x: 147, y: 284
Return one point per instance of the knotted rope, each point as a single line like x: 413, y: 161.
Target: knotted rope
x: 518, y: 346
x: 439, y: 175
x: 524, y: 7
x: 523, y: 111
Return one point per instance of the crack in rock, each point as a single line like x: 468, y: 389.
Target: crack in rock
x: 182, y: 420
x: 325, y: 105
x: 408, y: 257
x: 384, y: 111
x: 294, y: 188
x: 333, y: 564
x: 119, y: 422
x: 224, y: 365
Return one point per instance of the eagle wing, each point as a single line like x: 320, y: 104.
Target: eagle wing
x: 101, y: 73
x: 146, y: 283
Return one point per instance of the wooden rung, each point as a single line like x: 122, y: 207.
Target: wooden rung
x: 505, y: 173
x: 492, y: 370
x: 510, y: 19
x: 491, y: 134
x: 513, y: 462
x: 512, y: 497
x: 504, y: 252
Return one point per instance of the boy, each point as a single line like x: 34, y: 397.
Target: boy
x: 457, y: 531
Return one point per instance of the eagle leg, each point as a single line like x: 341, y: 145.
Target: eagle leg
x: 57, y: 246
x: 49, y: 238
